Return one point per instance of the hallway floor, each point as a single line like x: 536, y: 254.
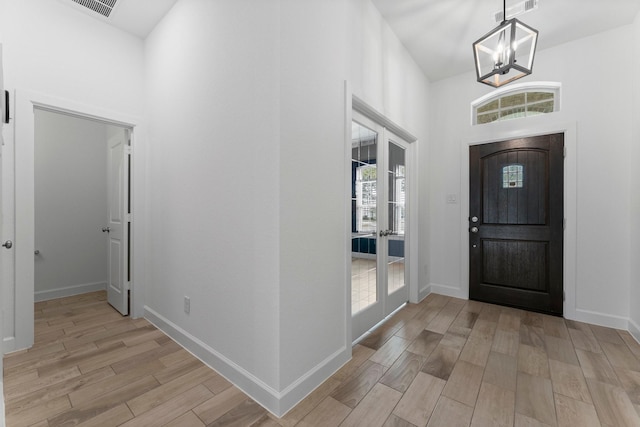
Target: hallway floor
x: 443, y: 362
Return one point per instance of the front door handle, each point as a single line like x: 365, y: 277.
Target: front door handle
x: 106, y: 229
x: 8, y: 244
x: 474, y: 229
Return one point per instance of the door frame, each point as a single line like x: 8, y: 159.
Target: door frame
x: 354, y: 103
x: 515, y: 129
x: 22, y: 203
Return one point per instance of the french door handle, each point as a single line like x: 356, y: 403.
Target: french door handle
x: 386, y: 233
x: 106, y: 229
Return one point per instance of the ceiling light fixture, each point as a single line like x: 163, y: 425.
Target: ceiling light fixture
x: 505, y: 53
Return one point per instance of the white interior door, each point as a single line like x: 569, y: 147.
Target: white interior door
x: 379, y: 199
x: 117, y: 227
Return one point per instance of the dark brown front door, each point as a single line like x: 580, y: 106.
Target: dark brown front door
x: 516, y: 223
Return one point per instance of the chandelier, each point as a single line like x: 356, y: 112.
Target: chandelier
x: 505, y: 53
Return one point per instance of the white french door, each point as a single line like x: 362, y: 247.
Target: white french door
x: 379, y: 206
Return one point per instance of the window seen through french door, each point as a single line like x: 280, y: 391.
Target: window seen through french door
x: 379, y: 200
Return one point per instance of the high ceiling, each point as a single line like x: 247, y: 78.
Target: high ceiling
x: 439, y: 33
x: 137, y: 17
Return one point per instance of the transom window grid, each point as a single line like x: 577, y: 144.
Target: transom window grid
x: 512, y: 106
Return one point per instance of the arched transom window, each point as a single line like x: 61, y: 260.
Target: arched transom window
x: 517, y: 101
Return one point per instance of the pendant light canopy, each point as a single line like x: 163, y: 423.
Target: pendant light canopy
x: 505, y: 53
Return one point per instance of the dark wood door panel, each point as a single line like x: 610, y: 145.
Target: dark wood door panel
x: 503, y: 202
x: 518, y: 298
x: 510, y: 262
x: 516, y: 240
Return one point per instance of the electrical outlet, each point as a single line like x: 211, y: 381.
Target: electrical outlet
x: 187, y: 304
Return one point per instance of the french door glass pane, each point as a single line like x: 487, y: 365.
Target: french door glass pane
x: 364, y: 192
x: 396, y: 175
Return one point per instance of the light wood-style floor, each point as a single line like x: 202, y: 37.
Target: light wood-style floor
x: 443, y: 362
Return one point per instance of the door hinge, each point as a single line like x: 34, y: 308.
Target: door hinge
x: 564, y: 296
x: 127, y: 149
x: 564, y: 223
x: 564, y: 151
x: 129, y: 217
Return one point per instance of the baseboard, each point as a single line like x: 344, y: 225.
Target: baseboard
x: 276, y: 402
x: 634, y: 330
x: 8, y: 344
x: 1, y: 401
x: 601, y: 319
x: 447, y: 290
x: 587, y: 316
x: 69, y: 291
x: 424, y: 292
x: 303, y: 386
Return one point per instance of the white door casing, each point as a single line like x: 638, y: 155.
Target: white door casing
x: 118, y: 219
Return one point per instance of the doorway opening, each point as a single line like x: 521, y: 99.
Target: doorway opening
x: 81, y: 225
x: 20, y: 199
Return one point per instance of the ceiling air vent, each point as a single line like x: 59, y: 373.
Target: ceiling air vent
x: 515, y: 10
x: 103, y: 7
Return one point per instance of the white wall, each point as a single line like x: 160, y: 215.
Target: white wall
x: 315, y: 61
x: 247, y: 179
x: 634, y: 155
x: 214, y: 182
x: 66, y: 55
x: 385, y: 76
x: 62, y: 52
x: 599, y: 103
x: 70, y: 205
x: 314, y: 65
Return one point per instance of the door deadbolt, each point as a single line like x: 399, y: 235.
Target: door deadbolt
x: 474, y: 219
